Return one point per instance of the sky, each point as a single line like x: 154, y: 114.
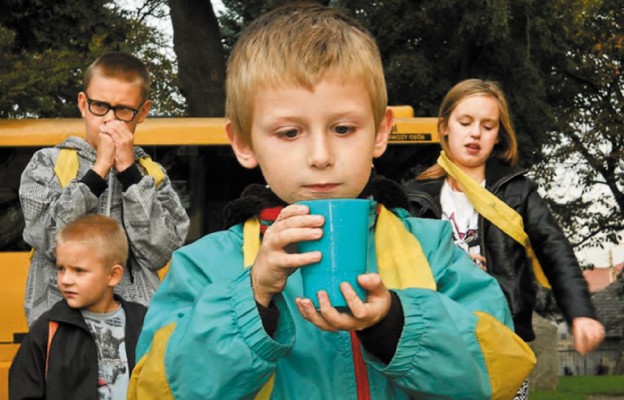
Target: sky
x: 600, y: 257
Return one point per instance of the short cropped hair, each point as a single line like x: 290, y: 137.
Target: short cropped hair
x: 100, y: 233
x: 506, y: 150
x: 300, y: 45
x: 120, y: 65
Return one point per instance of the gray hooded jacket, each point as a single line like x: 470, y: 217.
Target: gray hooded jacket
x: 153, y: 217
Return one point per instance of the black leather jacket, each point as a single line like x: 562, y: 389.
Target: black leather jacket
x: 506, y: 259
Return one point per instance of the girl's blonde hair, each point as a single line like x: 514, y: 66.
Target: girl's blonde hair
x: 506, y: 150
x: 300, y: 45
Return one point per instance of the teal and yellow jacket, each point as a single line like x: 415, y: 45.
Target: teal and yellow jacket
x: 203, y: 336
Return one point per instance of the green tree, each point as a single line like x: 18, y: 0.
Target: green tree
x: 202, y: 42
x: 587, y: 90
x: 429, y: 45
x: 46, y: 46
x: 560, y: 63
x: 201, y: 61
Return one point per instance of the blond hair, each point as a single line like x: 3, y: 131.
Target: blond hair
x: 300, y: 45
x: 120, y: 65
x: 506, y: 150
x: 101, y: 233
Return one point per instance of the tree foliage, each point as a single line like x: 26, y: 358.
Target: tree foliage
x: 429, y: 45
x: 239, y: 13
x: 201, y: 62
x: 45, y: 47
x: 559, y: 62
x: 587, y: 90
x: 202, y: 43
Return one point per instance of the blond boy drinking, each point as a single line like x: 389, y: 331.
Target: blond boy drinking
x: 307, y: 105
x: 83, y: 347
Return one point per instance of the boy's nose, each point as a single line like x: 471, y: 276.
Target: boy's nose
x: 65, y: 279
x: 320, y: 153
x: 109, y: 116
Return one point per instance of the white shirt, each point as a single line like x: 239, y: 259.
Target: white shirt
x: 463, y: 217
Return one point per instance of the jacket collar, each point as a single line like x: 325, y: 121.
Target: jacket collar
x: 63, y: 313
x: 427, y: 192
x: 257, y: 197
x: 431, y: 187
x: 497, y: 173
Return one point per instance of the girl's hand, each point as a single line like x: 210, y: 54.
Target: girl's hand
x: 588, y: 334
x: 479, y: 260
x: 363, y: 314
x: 274, y: 263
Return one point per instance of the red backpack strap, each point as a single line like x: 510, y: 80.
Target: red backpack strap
x: 52, y: 327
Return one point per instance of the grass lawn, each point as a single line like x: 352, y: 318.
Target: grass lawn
x: 580, y: 387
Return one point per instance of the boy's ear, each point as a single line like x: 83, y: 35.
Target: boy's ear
x: 115, y: 274
x: 383, y: 133
x: 242, y: 150
x: 82, y: 103
x: 142, y: 114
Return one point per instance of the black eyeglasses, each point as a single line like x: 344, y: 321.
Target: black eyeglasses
x: 122, y: 113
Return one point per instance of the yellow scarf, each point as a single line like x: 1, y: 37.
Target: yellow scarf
x: 496, y: 211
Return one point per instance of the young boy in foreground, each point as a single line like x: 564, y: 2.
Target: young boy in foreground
x: 307, y: 104
x: 82, y: 348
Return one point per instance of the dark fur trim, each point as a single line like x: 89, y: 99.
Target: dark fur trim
x: 386, y: 191
x: 257, y: 197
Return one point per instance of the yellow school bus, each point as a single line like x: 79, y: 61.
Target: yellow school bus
x: 202, y: 169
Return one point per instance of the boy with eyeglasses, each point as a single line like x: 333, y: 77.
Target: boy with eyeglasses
x: 103, y: 173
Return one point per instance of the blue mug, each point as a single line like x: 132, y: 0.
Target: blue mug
x: 343, y: 247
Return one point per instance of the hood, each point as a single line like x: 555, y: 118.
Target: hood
x: 257, y: 197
